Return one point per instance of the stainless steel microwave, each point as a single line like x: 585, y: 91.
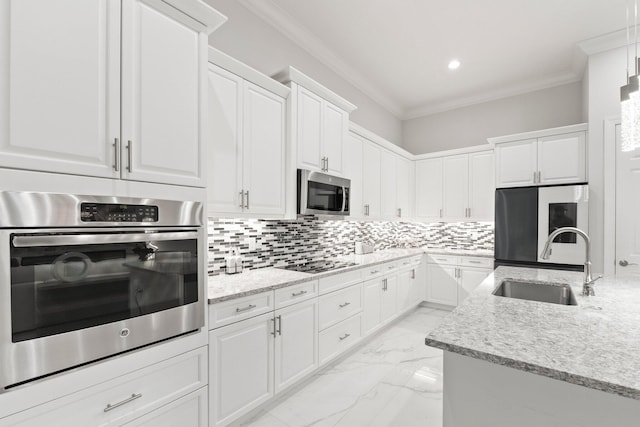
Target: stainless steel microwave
x: 322, y: 194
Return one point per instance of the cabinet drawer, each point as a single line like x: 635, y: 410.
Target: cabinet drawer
x: 227, y: 312
x: 409, y: 262
x: 443, y: 259
x: 124, y: 398
x: 339, y: 305
x: 296, y: 293
x: 476, y: 262
x: 373, y: 271
x: 338, y: 338
x: 390, y: 267
x: 339, y: 281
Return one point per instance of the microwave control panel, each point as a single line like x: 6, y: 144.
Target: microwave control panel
x: 111, y: 212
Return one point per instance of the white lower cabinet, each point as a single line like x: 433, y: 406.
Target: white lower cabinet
x: 338, y: 338
x: 450, y: 279
x: 190, y: 410
x: 241, y: 367
x: 296, y: 343
x: 133, y: 399
x: 410, y: 288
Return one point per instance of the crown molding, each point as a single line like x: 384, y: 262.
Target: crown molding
x: 502, y: 93
x: 377, y: 139
x: 579, y: 127
x: 293, y: 75
x: 273, y: 14
x: 604, y: 42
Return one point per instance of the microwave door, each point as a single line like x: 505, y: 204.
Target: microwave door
x: 563, y: 206
x: 516, y: 224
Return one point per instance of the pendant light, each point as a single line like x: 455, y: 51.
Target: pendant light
x: 630, y: 96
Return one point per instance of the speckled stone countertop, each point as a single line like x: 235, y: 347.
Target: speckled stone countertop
x: 225, y: 286
x: 595, y: 344
x: 463, y: 252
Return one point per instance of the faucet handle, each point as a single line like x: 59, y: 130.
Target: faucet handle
x: 592, y: 281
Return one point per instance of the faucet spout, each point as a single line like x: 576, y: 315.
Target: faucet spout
x: 587, y: 288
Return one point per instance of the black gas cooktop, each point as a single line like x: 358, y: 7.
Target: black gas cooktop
x: 318, y: 266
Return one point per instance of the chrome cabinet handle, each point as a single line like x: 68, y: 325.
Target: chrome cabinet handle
x: 327, y: 168
x: 344, y: 305
x: 247, y: 193
x: 474, y: 262
x: 366, y: 210
x: 116, y: 155
x: 399, y: 212
x: 440, y: 213
x: 624, y: 263
x: 297, y: 294
x: 535, y: 177
x: 129, y: 155
x: 342, y: 338
x: 133, y: 397
x: 539, y: 177
x: 375, y: 272
x: 249, y: 307
x: 273, y: 332
x: 279, y: 325
x: 241, y: 199
x: 413, y: 273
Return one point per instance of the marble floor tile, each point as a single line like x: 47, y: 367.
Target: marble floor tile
x: 392, y: 380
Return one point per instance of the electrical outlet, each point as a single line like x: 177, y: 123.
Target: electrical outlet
x: 251, y: 241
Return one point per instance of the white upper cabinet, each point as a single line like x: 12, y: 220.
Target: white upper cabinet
x: 429, y: 189
x: 353, y: 169
x: 105, y: 88
x: 457, y: 187
x: 320, y: 123
x: 60, y: 86
x: 247, y: 134
x: 546, y: 157
x: 481, y: 186
x: 371, y: 181
x: 455, y: 191
x: 404, y: 185
x: 388, y: 185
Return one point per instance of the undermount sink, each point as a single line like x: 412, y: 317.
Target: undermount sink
x: 557, y: 293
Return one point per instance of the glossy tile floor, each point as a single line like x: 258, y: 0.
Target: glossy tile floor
x: 393, y: 380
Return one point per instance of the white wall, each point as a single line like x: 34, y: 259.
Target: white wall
x: 606, y: 73
x: 249, y: 39
x: 468, y: 126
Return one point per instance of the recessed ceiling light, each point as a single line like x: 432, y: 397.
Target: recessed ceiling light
x: 454, y: 64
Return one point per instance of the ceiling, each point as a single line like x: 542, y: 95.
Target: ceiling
x: 397, y: 51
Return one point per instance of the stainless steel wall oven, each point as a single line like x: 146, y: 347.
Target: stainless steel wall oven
x: 86, y: 277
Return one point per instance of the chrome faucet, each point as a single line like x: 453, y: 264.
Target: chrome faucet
x: 587, y: 285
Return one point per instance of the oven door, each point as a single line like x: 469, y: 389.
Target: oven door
x: 563, y: 206
x: 74, y: 296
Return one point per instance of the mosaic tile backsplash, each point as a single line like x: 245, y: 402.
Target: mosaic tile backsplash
x: 282, y: 242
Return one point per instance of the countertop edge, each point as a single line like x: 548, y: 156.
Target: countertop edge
x: 555, y: 374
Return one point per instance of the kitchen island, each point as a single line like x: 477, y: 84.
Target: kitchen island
x: 517, y: 362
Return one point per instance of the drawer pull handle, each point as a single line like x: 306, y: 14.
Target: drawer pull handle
x: 391, y: 267
x: 133, y: 397
x: 474, y: 262
x: 344, y: 305
x: 297, y: 294
x: 375, y: 272
x: 249, y: 307
x: 344, y: 337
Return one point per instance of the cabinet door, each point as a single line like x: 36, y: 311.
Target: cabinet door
x: 481, y: 186
x: 404, y: 186
x: 405, y: 294
x: 241, y: 367
x: 224, y: 159
x: 60, y: 86
x: 456, y: 186
x: 389, y: 306
x: 442, y: 284
x: 388, y: 185
x: 353, y: 171
x: 371, y: 305
x: 562, y: 159
x: 429, y: 189
x: 371, y: 179
x: 296, y: 345
x: 470, y: 278
x: 163, y: 74
x: 335, y: 129
x: 309, y: 130
x: 516, y: 163
x: 188, y: 411
x: 263, y: 151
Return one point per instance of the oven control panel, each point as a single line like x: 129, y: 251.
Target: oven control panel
x: 111, y: 212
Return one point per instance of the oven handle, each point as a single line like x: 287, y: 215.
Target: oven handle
x: 92, y: 239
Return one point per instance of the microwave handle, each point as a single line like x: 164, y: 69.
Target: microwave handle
x: 344, y: 198
x: 93, y: 239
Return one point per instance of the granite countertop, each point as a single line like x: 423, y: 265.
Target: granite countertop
x: 485, y: 253
x: 225, y: 286
x: 594, y: 344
